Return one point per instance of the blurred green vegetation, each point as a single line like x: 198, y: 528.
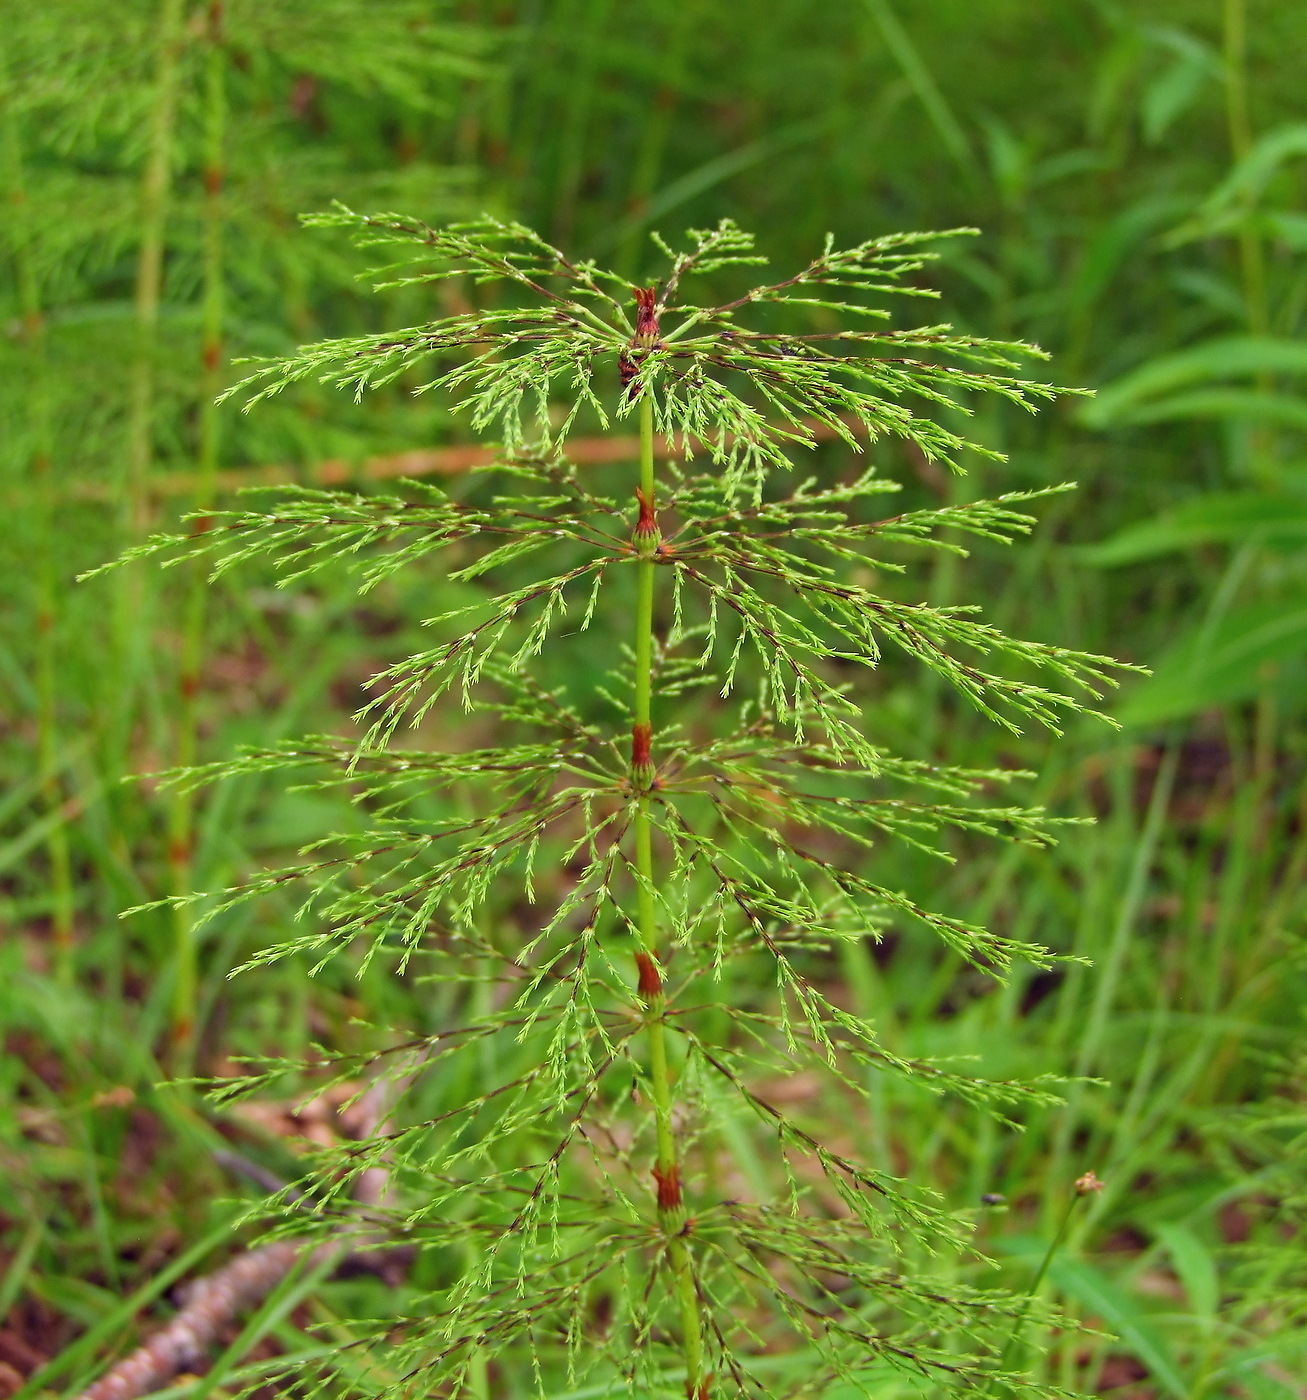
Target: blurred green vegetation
x: 1137, y: 172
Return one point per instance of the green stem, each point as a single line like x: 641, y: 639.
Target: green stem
x: 1014, y: 1337
x: 155, y: 185
x: 657, y: 128
x: 667, y: 1169
x: 1240, y: 132
x: 1095, y: 1022
x: 1252, y: 256
x: 181, y: 842
x: 132, y: 622
x: 48, y: 739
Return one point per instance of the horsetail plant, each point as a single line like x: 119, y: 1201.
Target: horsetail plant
x: 572, y: 1158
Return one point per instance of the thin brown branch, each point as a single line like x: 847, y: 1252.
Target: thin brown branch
x: 423, y: 461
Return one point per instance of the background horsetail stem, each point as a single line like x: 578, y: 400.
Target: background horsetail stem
x: 45, y: 497
x: 155, y: 185
x: 181, y: 816
x: 1240, y: 134
x: 667, y: 1170
x: 133, y: 629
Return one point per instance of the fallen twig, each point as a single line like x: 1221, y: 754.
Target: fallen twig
x: 211, y: 1302
x: 427, y: 461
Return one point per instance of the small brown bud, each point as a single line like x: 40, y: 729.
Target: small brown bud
x: 645, y: 337
x: 646, y: 314
x: 1088, y: 1184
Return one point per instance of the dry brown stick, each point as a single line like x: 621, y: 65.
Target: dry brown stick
x: 211, y: 1302
x: 216, y: 1299
x: 428, y: 461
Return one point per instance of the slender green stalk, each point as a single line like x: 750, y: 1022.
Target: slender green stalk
x: 658, y: 125
x: 132, y: 622
x: 1085, y: 1185
x: 1240, y: 132
x: 181, y: 842
x: 1096, y: 1021
x: 48, y: 741
x: 593, y: 21
x: 928, y: 92
x: 1252, y: 255
x: 667, y: 1170
x: 155, y: 186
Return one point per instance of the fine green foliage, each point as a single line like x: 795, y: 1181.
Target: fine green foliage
x: 578, y: 316
x: 586, y: 1179
x: 1089, y: 143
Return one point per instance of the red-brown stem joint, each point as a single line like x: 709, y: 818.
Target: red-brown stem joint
x: 669, y: 1187
x: 643, y: 775
x: 646, y: 536
x: 697, y: 1390
x: 651, y: 982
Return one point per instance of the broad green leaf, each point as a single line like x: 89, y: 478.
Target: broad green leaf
x: 1220, y: 665
x: 16, y: 1271
x: 1279, y: 409
x: 1195, y: 1267
x: 1262, y: 1385
x: 1247, y: 182
x: 1178, y: 86
x: 1290, y: 229
x: 1121, y: 1313
x: 1228, y: 357
x: 1108, y: 250
x: 1285, y: 1350
x: 1219, y: 517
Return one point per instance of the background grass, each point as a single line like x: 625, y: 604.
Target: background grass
x: 1137, y: 174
